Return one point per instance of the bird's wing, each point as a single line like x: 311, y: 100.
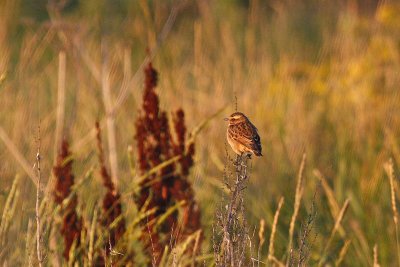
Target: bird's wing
x: 248, y: 135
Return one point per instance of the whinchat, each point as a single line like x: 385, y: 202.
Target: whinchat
x: 242, y: 135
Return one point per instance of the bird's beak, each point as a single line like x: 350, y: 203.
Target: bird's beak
x: 226, y: 119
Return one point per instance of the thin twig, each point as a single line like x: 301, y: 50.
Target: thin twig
x: 390, y: 172
x: 334, y: 230
x: 60, y: 102
x: 91, y: 237
x: 297, y: 200
x: 37, y: 211
x: 343, y: 252
x: 261, y: 240
x: 17, y: 155
x: 306, y: 229
x: 105, y: 85
x: 231, y: 250
x: 376, y: 263
x: 273, y: 231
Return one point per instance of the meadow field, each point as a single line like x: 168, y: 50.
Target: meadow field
x: 115, y: 109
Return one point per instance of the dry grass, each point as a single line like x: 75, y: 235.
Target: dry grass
x: 390, y: 173
x: 273, y: 231
x: 297, y: 200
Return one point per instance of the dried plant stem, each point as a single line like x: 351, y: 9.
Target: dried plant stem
x: 376, y: 263
x: 127, y: 66
x: 92, y: 238
x: 333, y: 205
x: 343, y: 252
x: 17, y: 155
x: 276, y: 262
x: 37, y: 209
x: 273, y: 231
x: 196, y: 246
x: 60, y: 102
x: 305, y: 232
x: 60, y: 113
x: 390, y: 172
x: 334, y: 230
x: 8, y: 212
x: 112, y: 145
x: 28, y: 240
x: 234, y: 205
x: 230, y: 251
x: 297, y: 200
x: 261, y: 239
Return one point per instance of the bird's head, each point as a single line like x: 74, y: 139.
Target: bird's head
x: 236, y: 118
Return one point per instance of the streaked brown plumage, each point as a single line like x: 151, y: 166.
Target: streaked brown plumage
x: 242, y: 135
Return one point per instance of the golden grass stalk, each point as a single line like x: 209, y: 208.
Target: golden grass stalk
x: 193, y: 134
x: 60, y: 102
x: 333, y: 205
x: 261, y: 239
x: 127, y: 66
x: 273, y: 231
x: 196, y: 247
x: 362, y: 247
x: 376, y: 263
x: 335, y: 228
x: 276, y: 262
x: 28, y: 245
x: 110, y: 116
x: 135, y: 188
x: 390, y: 173
x: 60, y: 113
x: 93, y: 70
x: 343, y: 252
x: 8, y: 210
x: 164, y: 258
x: 297, y: 200
x: 17, y: 155
x: 168, y: 212
x: 91, y: 238
x: 179, y: 255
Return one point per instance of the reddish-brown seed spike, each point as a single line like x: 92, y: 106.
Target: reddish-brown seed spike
x: 180, y: 130
x: 155, y: 145
x: 187, y: 161
x: 103, y: 170
x: 72, y: 225
x: 141, y: 145
x: 151, y: 76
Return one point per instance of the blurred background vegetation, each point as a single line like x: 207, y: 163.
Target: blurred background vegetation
x: 315, y: 77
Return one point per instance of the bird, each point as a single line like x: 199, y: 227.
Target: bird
x: 243, y: 136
